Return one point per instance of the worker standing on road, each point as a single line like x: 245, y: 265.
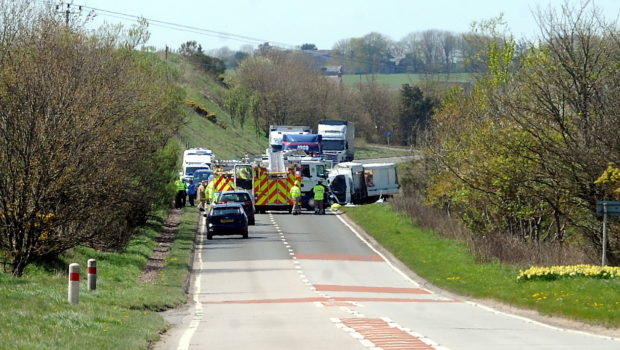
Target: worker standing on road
x: 210, y: 190
x: 181, y: 187
x: 191, y: 192
x: 296, y: 197
x: 319, y: 195
x: 200, y: 195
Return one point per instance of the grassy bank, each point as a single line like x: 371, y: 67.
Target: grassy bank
x: 120, y: 314
x: 449, y: 265
x: 226, y: 138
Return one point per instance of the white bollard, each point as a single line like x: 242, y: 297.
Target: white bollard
x: 92, y: 274
x: 74, y: 283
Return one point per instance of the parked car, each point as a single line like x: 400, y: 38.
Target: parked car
x: 227, y: 219
x: 242, y: 197
x: 202, y: 175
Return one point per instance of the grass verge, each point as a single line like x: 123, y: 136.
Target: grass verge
x: 449, y: 265
x: 368, y: 152
x: 120, y: 314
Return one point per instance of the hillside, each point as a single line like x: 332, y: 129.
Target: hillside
x: 226, y: 138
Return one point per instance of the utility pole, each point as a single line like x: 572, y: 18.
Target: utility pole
x: 67, y: 11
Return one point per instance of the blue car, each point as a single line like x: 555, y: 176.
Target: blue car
x: 227, y: 219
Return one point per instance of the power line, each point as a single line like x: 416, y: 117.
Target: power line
x: 196, y: 30
x: 183, y: 27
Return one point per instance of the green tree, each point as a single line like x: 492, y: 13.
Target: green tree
x: 523, y: 152
x: 193, y: 51
x: 308, y: 46
x: 414, y: 114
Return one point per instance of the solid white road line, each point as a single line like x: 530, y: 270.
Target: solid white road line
x: 198, y: 313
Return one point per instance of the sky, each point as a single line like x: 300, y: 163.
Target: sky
x: 321, y: 22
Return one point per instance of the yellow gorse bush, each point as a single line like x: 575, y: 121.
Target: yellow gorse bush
x: 197, y: 107
x: 556, y: 272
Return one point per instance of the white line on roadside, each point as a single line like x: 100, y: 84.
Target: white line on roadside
x: 361, y: 238
x: 198, y: 313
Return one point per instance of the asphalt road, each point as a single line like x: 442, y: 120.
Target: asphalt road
x: 312, y: 282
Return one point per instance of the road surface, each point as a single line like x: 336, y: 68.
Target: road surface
x: 311, y: 282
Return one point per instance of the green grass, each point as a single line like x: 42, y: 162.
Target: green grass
x: 397, y: 80
x: 449, y: 265
x: 368, y: 151
x: 226, y: 138
x: 120, y: 314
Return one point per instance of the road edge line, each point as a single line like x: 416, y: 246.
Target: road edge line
x: 188, y: 334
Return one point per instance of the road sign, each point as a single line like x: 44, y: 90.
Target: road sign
x: 612, y: 208
x: 388, y: 134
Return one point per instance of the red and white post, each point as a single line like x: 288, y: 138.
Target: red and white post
x: 92, y: 274
x: 74, y: 283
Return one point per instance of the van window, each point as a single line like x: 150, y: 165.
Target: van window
x: 320, y: 171
x: 369, y: 178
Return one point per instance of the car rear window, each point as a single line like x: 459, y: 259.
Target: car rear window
x: 235, y: 197
x: 225, y: 211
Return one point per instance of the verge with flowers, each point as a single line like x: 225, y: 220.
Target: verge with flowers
x: 556, y: 272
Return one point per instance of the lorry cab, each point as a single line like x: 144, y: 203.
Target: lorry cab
x: 346, y: 181
x: 277, y: 132
x: 338, y: 139
x: 312, y: 169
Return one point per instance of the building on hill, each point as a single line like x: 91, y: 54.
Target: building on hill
x: 333, y: 73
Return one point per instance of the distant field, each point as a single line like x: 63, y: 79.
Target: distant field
x: 397, y: 80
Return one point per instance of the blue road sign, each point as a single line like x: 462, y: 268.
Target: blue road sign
x: 388, y: 133
x: 613, y: 208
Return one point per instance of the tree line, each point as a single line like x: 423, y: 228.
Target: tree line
x: 85, y: 120
x: 429, y: 51
x: 530, y: 150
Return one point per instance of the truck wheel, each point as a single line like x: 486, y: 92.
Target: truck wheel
x: 290, y: 210
x: 209, y: 236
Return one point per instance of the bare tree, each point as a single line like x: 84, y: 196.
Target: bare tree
x: 449, y: 44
